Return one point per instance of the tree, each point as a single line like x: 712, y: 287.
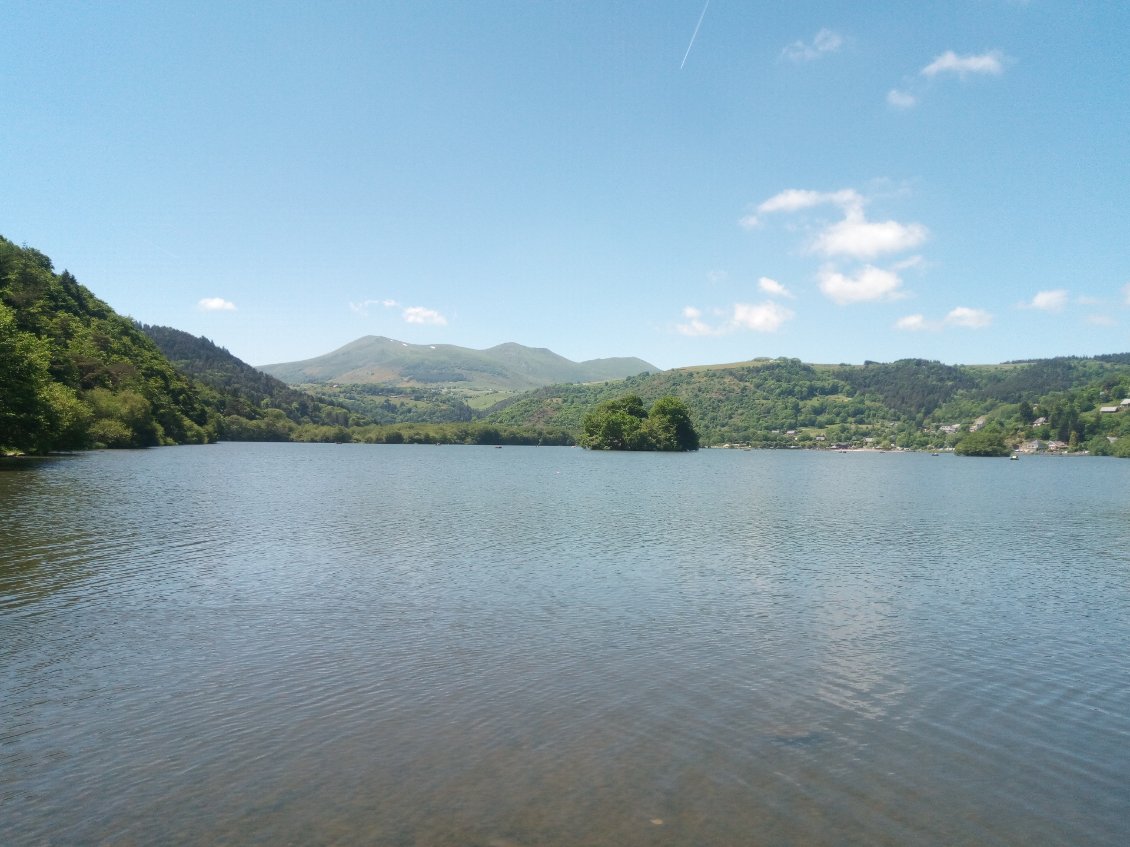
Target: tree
x: 623, y: 424
x: 24, y: 378
x: 984, y: 442
x: 669, y: 425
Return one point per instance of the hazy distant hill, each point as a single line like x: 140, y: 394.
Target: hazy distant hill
x: 506, y: 367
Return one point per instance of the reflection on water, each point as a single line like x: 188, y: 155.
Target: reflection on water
x: 347, y: 644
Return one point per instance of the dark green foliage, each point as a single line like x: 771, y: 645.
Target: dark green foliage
x: 74, y: 374
x: 908, y: 386
x: 669, y: 426
x: 458, y: 433
x: 624, y: 424
x: 984, y: 442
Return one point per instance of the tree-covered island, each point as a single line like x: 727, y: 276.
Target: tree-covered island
x: 625, y: 424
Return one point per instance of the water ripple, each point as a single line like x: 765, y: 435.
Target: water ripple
x: 393, y: 645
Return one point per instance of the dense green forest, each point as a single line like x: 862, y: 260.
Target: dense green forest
x: 73, y: 374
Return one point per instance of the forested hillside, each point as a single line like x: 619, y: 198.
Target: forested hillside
x: 252, y: 405
x: 76, y: 375
x: 73, y: 374
x: 910, y: 403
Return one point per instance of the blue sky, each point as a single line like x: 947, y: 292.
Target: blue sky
x: 832, y: 181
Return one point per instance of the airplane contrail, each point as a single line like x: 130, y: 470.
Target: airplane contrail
x: 695, y: 35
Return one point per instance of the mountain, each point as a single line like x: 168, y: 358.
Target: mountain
x: 506, y: 367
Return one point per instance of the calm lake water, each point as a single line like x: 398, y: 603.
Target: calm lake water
x: 393, y: 645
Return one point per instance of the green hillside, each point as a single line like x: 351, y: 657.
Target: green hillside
x: 74, y: 374
x: 911, y: 403
x: 252, y: 405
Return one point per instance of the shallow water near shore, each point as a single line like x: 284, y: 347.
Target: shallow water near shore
x: 397, y: 645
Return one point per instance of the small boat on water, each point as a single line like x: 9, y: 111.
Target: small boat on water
x: 1014, y: 458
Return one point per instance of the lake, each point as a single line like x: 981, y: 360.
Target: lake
x: 394, y: 645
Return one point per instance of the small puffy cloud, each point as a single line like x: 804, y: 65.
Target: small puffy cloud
x: 1126, y: 294
x: 1049, y: 301
x: 859, y: 238
x: 215, y: 304
x: 420, y: 315
x: 901, y: 99
x: 951, y: 63
x: 1101, y: 320
x: 968, y: 318
x: 912, y: 323
x: 695, y: 325
x: 773, y: 288
x: 717, y: 277
x: 756, y: 317
x: 763, y: 317
x: 749, y: 222
x: 824, y: 42
x: 869, y: 284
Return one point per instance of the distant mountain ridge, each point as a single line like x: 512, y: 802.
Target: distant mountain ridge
x: 506, y: 367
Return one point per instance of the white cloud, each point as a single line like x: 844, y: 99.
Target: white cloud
x: 773, y: 288
x: 901, y: 99
x: 859, y: 238
x: 963, y: 316
x: 1101, y: 320
x: 420, y: 315
x: 1126, y: 293
x: 763, y: 317
x: 854, y: 236
x: 362, y: 308
x: 869, y: 284
x: 951, y: 63
x: 695, y: 325
x: 913, y: 323
x: 759, y: 317
x: 824, y: 42
x: 717, y: 277
x: 215, y: 304
x: 1049, y: 301
x: 796, y: 199
x: 749, y: 222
